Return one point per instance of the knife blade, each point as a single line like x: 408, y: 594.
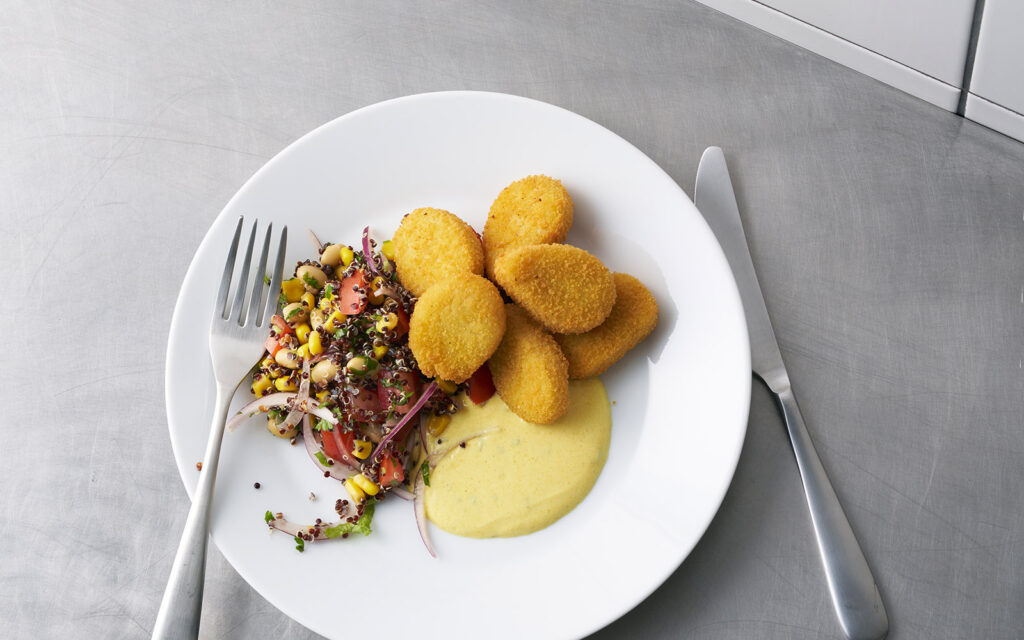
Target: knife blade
x: 854, y: 592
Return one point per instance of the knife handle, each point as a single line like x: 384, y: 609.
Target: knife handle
x: 854, y: 592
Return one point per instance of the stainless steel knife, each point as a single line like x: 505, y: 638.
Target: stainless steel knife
x: 854, y: 592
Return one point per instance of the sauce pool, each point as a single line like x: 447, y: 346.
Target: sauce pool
x: 519, y: 477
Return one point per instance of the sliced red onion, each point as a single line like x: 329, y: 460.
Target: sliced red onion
x: 368, y: 254
x: 301, y: 403
x: 324, y: 413
x: 291, y: 420
x: 259, y: 405
x: 373, y: 431
x: 389, y: 291
x: 319, y: 246
x: 423, y: 436
x: 338, y: 472
x: 421, y: 514
x: 314, y: 531
x: 402, y: 493
x: 429, y: 391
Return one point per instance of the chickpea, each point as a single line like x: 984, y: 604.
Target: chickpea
x: 361, y: 365
x: 287, y: 359
x: 316, y: 319
x: 331, y: 255
x: 323, y: 371
x: 294, y: 313
x: 311, y: 276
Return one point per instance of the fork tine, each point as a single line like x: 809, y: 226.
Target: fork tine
x: 275, y: 280
x: 252, y: 316
x: 229, y: 266
x: 236, y: 307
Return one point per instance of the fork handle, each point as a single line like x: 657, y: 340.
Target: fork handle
x: 182, y: 603
x: 854, y: 592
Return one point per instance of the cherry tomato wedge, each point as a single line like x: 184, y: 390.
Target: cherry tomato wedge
x: 348, y: 440
x: 392, y: 386
x: 352, y: 302
x: 281, y: 324
x: 272, y: 346
x: 481, y: 385
x: 391, y: 472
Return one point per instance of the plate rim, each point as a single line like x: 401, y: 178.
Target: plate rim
x: 597, y: 622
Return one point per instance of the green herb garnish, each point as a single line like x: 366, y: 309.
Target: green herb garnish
x: 322, y: 425
x: 328, y: 290
x: 360, y: 526
x: 310, y: 281
x: 269, y: 517
x: 321, y: 457
x: 294, y: 312
x: 282, y: 300
x: 425, y: 470
x: 266, y: 279
x: 300, y: 544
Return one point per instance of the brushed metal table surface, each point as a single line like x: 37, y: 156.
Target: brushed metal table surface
x: 888, y: 236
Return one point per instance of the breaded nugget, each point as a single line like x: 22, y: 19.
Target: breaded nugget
x: 563, y: 287
x: 456, y: 326
x: 534, y: 210
x: 432, y: 244
x: 530, y: 373
x: 633, y: 317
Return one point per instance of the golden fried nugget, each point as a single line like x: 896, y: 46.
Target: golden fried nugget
x: 534, y: 210
x: 563, y: 287
x: 456, y: 326
x: 530, y: 373
x: 432, y: 244
x: 633, y: 317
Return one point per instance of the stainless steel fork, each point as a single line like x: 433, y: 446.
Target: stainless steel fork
x: 237, y: 336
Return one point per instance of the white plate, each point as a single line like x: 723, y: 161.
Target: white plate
x: 680, y: 399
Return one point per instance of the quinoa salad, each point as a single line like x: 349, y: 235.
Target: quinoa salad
x: 338, y: 374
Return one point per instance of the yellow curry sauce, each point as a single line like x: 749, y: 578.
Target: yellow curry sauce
x: 519, y: 477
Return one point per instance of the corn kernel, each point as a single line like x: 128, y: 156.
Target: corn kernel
x: 322, y: 395
x: 302, y: 333
x: 303, y: 352
x: 261, y: 385
x: 335, y: 320
x: 293, y: 289
x: 388, y: 249
x: 372, y: 296
x: 368, y: 486
x: 380, y: 352
x: 386, y: 322
x: 448, y: 387
x: 354, y: 492
x: 346, y: 255
x: 325, y: 303
x: 308, y: 300
x: 266, y: 363
x: 285, y: 384
x: 316, y: 347
x: 437, y: 424
x: 362, y: 449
